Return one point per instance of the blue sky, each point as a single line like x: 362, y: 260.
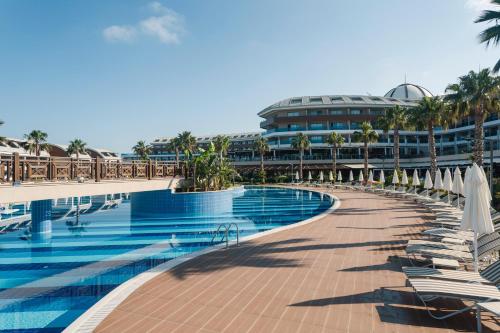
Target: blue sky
x: 113, y: 72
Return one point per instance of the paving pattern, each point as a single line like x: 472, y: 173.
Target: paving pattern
x: 341, y: 273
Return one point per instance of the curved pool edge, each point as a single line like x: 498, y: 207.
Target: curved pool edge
x: 91, y: 318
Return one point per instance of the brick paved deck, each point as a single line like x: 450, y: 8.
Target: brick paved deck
x: 338, y: 274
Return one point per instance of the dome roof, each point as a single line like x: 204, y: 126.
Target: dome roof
x: 408, y: 91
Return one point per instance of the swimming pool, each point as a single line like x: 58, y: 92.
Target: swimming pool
x: 59, y: 257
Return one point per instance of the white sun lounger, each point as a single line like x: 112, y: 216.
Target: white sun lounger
x: 490, y: 275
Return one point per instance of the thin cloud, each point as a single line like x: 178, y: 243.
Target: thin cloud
x: 479, y: 5
x: 165, y: 25
x: 116, y: 33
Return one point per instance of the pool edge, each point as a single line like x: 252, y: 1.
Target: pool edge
x: 91, y: 318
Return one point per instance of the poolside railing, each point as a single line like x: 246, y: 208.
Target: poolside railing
x: 18, y: 169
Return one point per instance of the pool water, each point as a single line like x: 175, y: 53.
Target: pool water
x: 59, y: 257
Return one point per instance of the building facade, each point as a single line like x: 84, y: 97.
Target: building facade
x: 318, y: 116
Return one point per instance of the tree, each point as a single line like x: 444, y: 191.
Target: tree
x: 261, y: 146
x: 187, y: 144
x: 76, y: 147
x: 301, y: 143
x: 367, y: 135
x: 142, y: 150
x: 476, y: 95
x: 491, y: 35
x: 336, y: 141
x: 395, y: 119
x: 174, y: 146
x: 430, y: 112
x: 36, y: 142
x: 221, y: 144
x: 212, y: 172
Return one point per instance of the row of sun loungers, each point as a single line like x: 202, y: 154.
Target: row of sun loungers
x: 446, y: 241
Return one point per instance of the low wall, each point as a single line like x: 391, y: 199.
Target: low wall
x: 166, y: 202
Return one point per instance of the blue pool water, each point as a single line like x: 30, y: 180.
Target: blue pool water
x: 59, y: 257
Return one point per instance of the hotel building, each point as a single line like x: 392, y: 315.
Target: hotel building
x: 317, y: 116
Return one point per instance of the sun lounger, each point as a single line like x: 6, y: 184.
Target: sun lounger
x: 488, y: 244
x: 430, y: 289
x: 490, y: 275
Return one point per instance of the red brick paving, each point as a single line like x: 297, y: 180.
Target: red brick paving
x: 338, y: 274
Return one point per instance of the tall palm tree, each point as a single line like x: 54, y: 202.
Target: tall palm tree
x: 477, y: 95
x: 221, y: 144
x: 336, y: 141
x: 366, y: 135
x: 261, y: 146
x: 430, y: 112
x: 395, y: 119
x: 76, y: 147
x: 36, y: 142
x: 491, y: 35
x: 187, y: 144
x: 142, y: 150
x: 301, y: 143
x: 174, y: 145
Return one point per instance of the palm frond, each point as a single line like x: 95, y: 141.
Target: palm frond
x: 490, y: 35
x: 496, y: 69
x: 488, y: 15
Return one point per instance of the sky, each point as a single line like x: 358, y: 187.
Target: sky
x: 118, y: 71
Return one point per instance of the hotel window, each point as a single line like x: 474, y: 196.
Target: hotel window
x: 337, y: 99
x: 355, y: 112
x: 293, y: 114
x: 315, y: 112
x: 296, y: 101
x: 490, y: 131
x: 316, y: 139
x: 377, y: 112
x: 316, y: 126
x: 315, y: 100
x: 337, y: 112
x: 338, y: 125
x: 355, y: 125
x: 356, y: 99
x: 376, y: 99
x: 411, y: 139
x: 294, y: 127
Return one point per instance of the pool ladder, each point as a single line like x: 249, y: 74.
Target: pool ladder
x: 226, y: 227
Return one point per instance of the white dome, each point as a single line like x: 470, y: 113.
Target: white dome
x: 408, y: 91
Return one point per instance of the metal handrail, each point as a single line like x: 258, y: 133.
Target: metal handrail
x: 227, y: 228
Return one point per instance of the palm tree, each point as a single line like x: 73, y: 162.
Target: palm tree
x: 221, y: 144
x: 395, y: 119
x: 36, y: 142
x: 430, y: 112
x: 173, y: 145
x: 261, y: 146
x: 301, y: 143
x: 477, y: 95
x: 491, y: 35
x: 336, y: 141
x: 142, y: 150
x: 367, y: 135
x: 187, y: 144
x: 76, y: 147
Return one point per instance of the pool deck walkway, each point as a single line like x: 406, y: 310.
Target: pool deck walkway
x: 341, y: 273
x: 55, y: 190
